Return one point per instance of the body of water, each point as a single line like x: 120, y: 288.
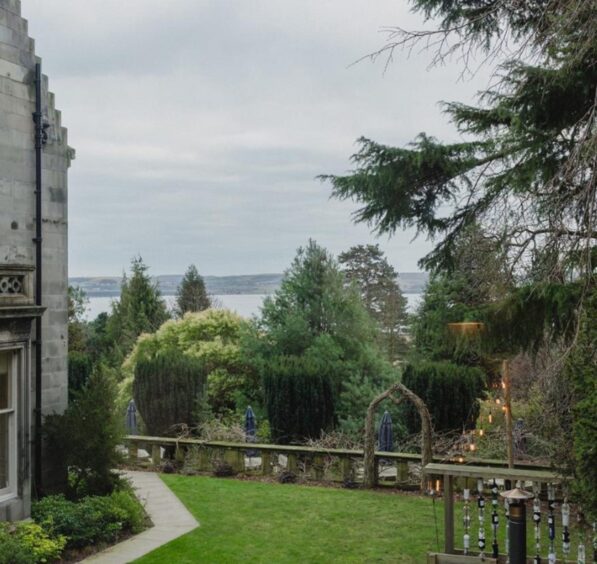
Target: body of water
x: 245, y: 305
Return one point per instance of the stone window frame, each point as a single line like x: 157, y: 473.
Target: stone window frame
x: 16, y: 375
x: 25, y: 274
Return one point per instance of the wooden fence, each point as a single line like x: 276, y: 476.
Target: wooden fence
x: 339, y: 465
x: 484, y: 511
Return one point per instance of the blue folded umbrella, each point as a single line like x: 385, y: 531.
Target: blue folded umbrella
x: 386, y: 437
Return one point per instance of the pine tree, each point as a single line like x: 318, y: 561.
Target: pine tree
x: 191, y: 294
x: 527, y: 170
x: 140, y: 309
x: 316, y: 319
x: 313, y: 301
x: 478, y: 279
x: 377, y: 282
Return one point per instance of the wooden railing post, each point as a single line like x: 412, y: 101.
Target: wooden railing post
x: 203, y: 459
x: 292, y: 463
x: 156, y: 455
x: 236, y: 458
x: 133, y: 451
x: 266, y: 462
x: 401, y: 472
x: 347, y: 469
x: 318, y: 467
x: 448, y: 514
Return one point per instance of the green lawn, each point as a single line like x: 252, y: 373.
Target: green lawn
x: 247, y: 521
x: 274, y: 523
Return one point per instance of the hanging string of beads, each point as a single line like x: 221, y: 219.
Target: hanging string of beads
x: 481, y: 506
x: 507, y: 521
x: 495, y: 520
x: 551, y: 522
x: 466, y: 520
x: 580, y: 551
x: 537, y: 522
x: 565, y: 528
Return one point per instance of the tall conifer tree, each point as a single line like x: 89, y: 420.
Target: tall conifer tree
x: 191, y: 294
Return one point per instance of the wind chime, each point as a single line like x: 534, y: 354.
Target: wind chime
x: 466, y: 520
x: 565, y: 528
x: 507, y: 514
x: 495, y: 520
x: 537, y: 522
x: 481, y: 507
x: 581, y: 553
x: 551, y: 522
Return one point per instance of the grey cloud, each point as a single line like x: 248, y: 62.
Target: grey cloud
x: 200, y: 125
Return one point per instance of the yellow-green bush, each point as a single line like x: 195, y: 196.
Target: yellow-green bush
x: 212, y: 337
x: 29, y: 543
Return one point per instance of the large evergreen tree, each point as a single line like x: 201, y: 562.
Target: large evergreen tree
x: 140, y: 309
x: 479, y: 277
x: 527, y: 170
x: 377, y: 281
x: 191, y: 294
x: 313, y: 302
x: 315, y: 319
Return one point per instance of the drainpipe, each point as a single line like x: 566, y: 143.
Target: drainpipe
x: 39, y: 143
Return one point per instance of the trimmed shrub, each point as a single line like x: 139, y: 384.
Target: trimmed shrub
x: 84, y: 438
x: 451, y: 393
x: 299, y: 398
x: 92, y: 520
x: 28, y: 543
x: 167, y: 390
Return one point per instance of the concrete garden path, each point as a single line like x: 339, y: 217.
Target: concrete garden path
x: 170, y: 517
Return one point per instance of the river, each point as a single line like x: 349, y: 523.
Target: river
x: 245, y: 305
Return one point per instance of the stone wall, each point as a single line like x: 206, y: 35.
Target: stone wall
x: 17, y: 195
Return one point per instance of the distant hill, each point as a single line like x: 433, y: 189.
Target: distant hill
x: 109, y: 286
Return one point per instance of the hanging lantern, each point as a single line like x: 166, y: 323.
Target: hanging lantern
x: 466, y: 328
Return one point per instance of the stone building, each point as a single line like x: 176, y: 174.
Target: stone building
x: 33, y: 264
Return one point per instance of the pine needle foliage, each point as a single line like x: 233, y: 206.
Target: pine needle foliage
x: 532, y: 316
x: 375, y: 278
x: 191, y: 294
x: 527, y: 170
x: 299, y: 398
x: 451, y: 393
x: 167, y: 390
x: 85, y: 437
x: 141, y: 309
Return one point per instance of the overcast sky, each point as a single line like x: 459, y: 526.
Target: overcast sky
x: 200, y: 125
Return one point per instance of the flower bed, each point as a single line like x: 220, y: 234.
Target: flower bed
x: 67, y: 530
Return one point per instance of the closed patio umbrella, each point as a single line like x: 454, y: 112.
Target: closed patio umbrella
x: 250, y: 426
x: 131, y: 418
x: 250, y: 430
x: 386, y: 438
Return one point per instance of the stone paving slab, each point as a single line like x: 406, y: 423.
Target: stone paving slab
x: 171, y: 519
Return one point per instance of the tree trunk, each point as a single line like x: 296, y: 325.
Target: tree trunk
x: 370, y: 473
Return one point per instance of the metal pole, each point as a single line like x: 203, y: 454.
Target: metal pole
x: 517, y: 533
x: 508, y: 413
x: 39, y: 141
